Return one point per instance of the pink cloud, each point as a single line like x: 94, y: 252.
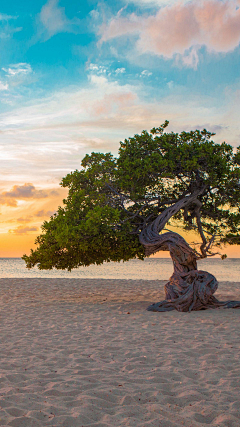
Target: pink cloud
x: 177, y: 28
x: 26, y: 191
x: 119, y: 26
x: 112, y: 102
x: 23, y: 230
x: 42, y: 213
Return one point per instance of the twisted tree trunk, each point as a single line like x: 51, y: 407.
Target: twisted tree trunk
x: 188, y: 288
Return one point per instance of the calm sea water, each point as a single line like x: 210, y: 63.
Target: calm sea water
x: 149, y: 269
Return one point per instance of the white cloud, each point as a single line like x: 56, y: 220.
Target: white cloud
x: 9, y: 31
x: 53, y: 17
x: 99, y: 69
x: 145, y: 73
x: 16, y: 69
x: 94, y: 14
x: 52, y: 20
x: 93, y: 67
x: 96, y: 69
x: 4, y: 17
x: 170, y: 84
x: 120, y: 70
x: 190, y: 58
x: 6, y: 28
x: 46, y: 139
x: 3, y: 86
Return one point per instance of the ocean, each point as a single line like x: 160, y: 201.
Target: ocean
x: 149, y: 269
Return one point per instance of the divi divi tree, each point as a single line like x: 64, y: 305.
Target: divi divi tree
x: 118, y: 208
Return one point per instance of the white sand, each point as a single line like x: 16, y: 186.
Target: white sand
x: 86, y: 353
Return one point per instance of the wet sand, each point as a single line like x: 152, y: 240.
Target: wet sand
x: 85, y: 352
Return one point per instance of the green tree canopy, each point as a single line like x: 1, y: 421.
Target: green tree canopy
x: 112, y: 200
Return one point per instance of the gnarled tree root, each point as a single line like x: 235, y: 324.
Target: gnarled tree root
x: 191, y: 291
x: 188, y: 288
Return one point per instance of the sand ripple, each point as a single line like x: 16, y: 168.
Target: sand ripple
x: 86, y: 353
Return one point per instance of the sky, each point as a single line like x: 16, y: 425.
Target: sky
x: 80, y: 76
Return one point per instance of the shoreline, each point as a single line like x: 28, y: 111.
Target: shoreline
x: 153, y: 269
x: 85, y: 352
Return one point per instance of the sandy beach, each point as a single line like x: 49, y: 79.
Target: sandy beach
x: 85, y: 352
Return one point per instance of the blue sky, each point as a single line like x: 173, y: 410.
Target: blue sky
x: 79, y: 76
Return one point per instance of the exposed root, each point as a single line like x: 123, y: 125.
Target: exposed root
x: 191, y: 291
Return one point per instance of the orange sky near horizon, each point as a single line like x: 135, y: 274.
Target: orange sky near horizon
x: 15, y: 245
x: 25, y: 207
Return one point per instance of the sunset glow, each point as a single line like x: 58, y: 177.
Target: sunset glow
x: 78, y: 77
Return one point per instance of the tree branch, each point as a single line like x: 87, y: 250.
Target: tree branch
x: 200, y: 229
